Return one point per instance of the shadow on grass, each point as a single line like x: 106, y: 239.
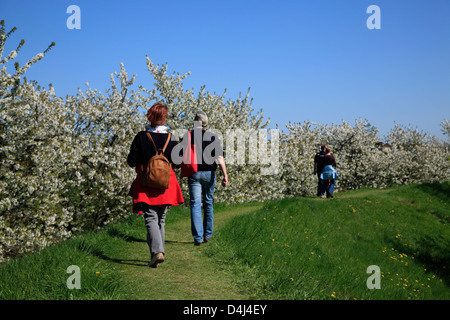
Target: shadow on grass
x: 182, y: 242
x: 439, y: 190
x: 431, y: 253
x: 115, y: 233
x: 131, y: 262
x: 96, y: 249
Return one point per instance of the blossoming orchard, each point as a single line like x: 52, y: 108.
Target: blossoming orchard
x: 63, y: 160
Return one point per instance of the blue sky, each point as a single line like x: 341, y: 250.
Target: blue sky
x: 304, y: 60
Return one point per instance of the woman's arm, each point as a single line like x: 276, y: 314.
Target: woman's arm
x: 133, y: 156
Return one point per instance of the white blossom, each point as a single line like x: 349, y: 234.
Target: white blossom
x: 63, y: 163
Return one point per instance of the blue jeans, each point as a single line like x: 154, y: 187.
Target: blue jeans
x: 201, y: 190
x: 320, y: 187
x: 328, y: 187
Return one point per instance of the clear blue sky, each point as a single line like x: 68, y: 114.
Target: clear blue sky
x: 304, y: 60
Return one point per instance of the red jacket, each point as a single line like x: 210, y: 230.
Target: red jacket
x: 141, y: 151
x: 155, y: 197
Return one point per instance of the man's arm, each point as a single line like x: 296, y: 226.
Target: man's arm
x: 223, y: 168
x: 315, y: 164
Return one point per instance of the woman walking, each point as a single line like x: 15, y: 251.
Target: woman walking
x: 151, y: 202
x: 329, y: 173
x: 202, y: 183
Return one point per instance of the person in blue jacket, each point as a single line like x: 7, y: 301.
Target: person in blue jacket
x: 329, y: 173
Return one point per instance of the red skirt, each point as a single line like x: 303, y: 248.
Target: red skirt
x: 155, y: 197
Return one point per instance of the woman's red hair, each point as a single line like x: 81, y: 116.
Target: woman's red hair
x: 157, y: 114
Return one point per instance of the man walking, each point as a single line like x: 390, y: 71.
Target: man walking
x: 202, y: 183
x: 318, y: 167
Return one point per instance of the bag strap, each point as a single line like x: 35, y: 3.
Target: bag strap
x: 150, y: 137
x: 165, y: 145
x: 167, y: 142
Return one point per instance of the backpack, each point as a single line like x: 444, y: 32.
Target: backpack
x: 156, y: 174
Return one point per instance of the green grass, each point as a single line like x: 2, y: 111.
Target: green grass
x: 43, y: 275
x: 297, y: 248
x: 309, y: 248
x: 113, y: 264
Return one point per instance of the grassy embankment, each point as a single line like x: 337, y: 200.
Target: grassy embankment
x: 306, y: 248
x: 300, y: 248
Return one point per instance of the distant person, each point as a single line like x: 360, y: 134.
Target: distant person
x: 318, y: 166
x: 202, y: 183
x: 153, y: 203
x: 329, y: 173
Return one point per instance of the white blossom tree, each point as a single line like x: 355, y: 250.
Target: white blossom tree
x: 445, y: 124
x: 63, y: 160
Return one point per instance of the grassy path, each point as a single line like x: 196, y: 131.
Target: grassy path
x: 187, y: 273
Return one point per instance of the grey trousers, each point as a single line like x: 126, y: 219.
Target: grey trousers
x: 155, y: 217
